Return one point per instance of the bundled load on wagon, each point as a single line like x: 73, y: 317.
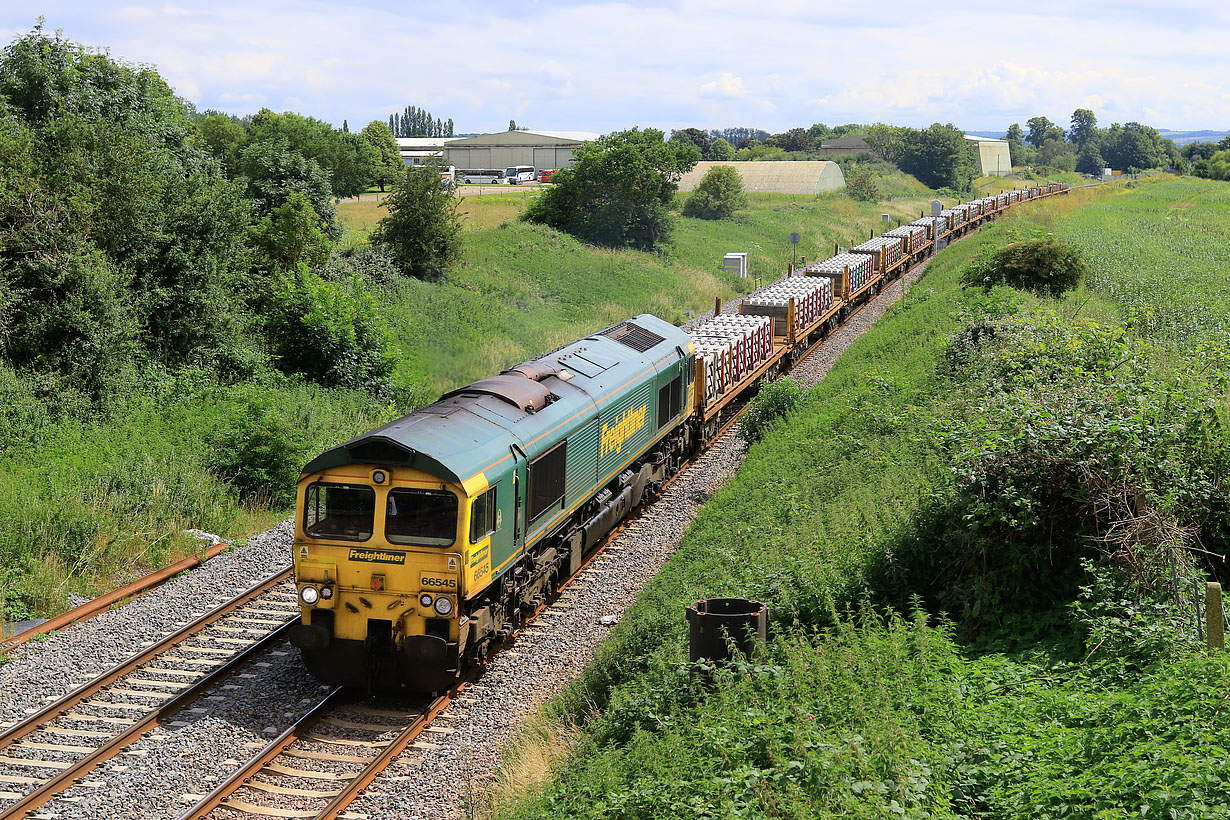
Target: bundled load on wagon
x: 915, y: 236
x: 813, y: 297
x: 861, y: 268
x: 885, y: 250
x: 729, y: 347
x: 935, y: 226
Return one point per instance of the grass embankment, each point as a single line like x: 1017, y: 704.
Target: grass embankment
x: 1047, y: 704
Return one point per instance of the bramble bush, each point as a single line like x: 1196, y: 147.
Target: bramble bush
x: 331, y: 332
x: 258, y: 451
x: 1044, y: 266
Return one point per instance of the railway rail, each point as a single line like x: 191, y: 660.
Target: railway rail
x: 51, y: 749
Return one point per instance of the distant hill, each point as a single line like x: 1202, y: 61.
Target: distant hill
x: 991, y: 135
x: 1188, y: 137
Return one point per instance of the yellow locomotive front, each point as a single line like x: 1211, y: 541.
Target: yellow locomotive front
x: 378, y: 568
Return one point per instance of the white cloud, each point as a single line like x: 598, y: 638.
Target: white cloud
x: 728, y: 85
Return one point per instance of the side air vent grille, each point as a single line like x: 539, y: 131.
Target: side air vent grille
x: 633, y: 336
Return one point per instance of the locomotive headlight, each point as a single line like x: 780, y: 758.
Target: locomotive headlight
x: 425, y: 600
x: 380, y: 476
x: 309, y: 595
x: 444, y: 605
x: 326, y: 592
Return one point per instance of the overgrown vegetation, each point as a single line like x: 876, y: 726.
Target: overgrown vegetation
x: 1039, y: 265
x: 1032, y: 466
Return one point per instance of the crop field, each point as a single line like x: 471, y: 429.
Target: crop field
x: 1162, y: 251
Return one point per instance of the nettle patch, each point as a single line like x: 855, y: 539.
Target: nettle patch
x: 1067, y: 444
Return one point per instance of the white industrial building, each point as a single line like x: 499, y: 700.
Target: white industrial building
x: 775, y: 177
x: 420, y: 150
x: 541, y: 149
x: 992, y: 156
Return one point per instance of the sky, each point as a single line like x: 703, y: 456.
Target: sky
x: 605, y: 66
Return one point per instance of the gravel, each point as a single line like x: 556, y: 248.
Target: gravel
x: 39, y: 672
x: 445, y: 773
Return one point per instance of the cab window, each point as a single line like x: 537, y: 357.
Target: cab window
x: 421, y: 517
x: 482, y: 516
x: 344, y: 511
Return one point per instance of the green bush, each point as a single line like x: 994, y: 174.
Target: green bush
x: 1043, y: 266
x: 862, y: 186
x: 718, y: 195
x: 331, y: 332
x: 258, y: 451
x: 775, y: 401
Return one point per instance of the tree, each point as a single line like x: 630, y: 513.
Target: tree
x: 718, y: 195
x: 1018, y: 153
x: 271, y: 171
x: 389, y: 166
x: 696, y: 137
x: 292, y: 235
x: 940, y: 156
x: 345, y: 127
x: 356, y: 169
x: 618, y: 190
x: 1084, y: 127
x: 512, y: 125
x: 796, y: 139
x: 224, y: 137
x: 1219, y: 166
x: 1089, y: 159
x: 1057, y: 154
x: 1039, y: 129
x: 721, y: 150
x: 422, y: 230
x: 119, y: 237
x: 887, y: 141
x: 1133, y: 145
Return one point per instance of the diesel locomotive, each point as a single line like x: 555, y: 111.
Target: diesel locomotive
x: 421, y: 542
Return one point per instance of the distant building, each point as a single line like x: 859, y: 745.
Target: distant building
x: 844, y: 146
x: 418, y: 150
x: 541, y: 149
x: 775, y: 177
x: 992, y: 156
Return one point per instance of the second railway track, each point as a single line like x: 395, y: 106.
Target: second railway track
x: 56, y: 746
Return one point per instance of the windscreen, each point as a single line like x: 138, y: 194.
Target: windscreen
x: 343, y: 511
x: 423, y: 517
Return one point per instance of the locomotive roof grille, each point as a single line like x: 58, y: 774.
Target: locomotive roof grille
x: 633, y: 336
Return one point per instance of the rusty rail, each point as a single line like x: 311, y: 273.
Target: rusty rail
x: 104, y: 602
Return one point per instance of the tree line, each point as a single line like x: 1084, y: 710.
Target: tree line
x: 139, y: 237
x: 1087, y: 149
x: 417, y: 122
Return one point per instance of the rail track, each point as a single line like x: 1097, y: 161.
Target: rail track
x: 56, y: 746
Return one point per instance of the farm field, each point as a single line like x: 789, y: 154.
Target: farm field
x: 931, y: 655
x: 1162, y: 252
